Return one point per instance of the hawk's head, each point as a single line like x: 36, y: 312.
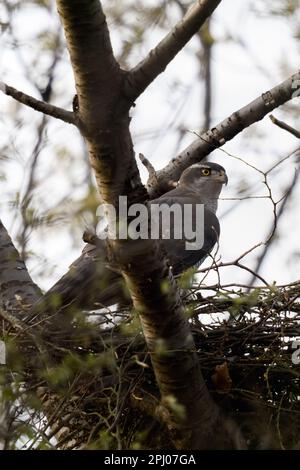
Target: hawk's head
x: 208, y: 177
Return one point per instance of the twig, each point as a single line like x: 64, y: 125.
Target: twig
x: 13, y: 321
x: 285, y: 126
x: 30, y: 186
x: 271, y: 238
x: 237, y: 263
x: 46, y: 94
x: 38, y: 105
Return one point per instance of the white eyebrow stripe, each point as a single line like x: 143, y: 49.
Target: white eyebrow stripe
x: 199, y: 165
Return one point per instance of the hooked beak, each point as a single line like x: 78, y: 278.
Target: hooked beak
x: 223, y: 178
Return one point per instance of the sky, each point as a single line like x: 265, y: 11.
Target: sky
x: 252, y: 53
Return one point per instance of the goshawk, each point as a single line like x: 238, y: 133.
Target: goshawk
x: 90, y: 283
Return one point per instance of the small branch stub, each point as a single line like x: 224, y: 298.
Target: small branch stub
x: 285, y: 126
x: 152, y: 179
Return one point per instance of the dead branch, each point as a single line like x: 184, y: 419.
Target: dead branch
x: 38, y: 105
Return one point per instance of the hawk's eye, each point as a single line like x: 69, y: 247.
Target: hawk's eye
x: 205, y: 172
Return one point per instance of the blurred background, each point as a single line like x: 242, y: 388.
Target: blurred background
x: 47, y: 191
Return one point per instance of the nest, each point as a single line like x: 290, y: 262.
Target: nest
x: 99, y: 391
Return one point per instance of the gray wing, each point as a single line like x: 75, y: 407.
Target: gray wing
x: 178, y: 256
x: 88, y: 283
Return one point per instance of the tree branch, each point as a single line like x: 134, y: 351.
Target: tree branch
x: 38, y: 105
x: 225, y: 131
x: 150, y: 168
x: 17, y: 290
x: 158, y: 58
x: 285, y: 126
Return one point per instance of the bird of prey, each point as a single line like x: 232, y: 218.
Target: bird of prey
x: 90, y: 283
